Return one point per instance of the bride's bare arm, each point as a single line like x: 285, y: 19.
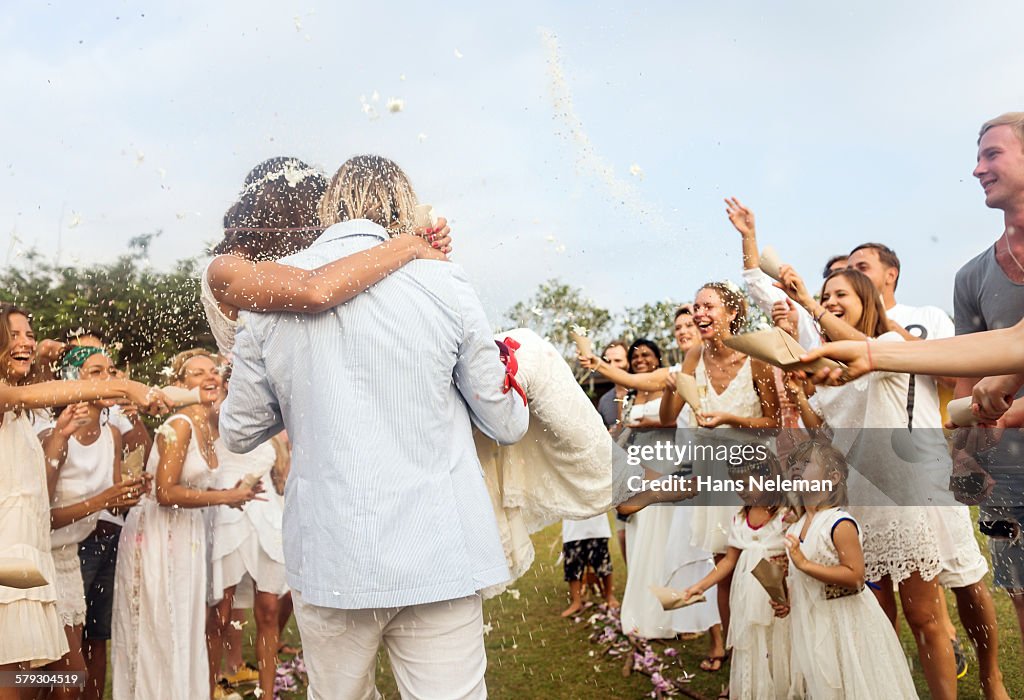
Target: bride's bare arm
x: 271, y: 286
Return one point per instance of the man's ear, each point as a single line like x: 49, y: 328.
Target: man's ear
x: 892, y: 275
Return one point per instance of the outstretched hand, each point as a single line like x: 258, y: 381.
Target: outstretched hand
x: 741, y: 218
x: 853, y: 353
x: 591, y: 362
x: 793, y: 285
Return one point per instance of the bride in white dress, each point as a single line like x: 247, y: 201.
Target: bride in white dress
x: 158, y: 633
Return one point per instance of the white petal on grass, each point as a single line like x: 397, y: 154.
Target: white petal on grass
x: 458, y: 54
x: 298, y: 23
x: 375, y: 97
x: 139, y: 157
x: 162, y: 173
x: 636, y: 171
x: 421, y: 137
x: 76, y: 219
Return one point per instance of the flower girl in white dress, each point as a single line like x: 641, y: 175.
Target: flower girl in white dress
x: 760, y: 641
x: 843, y: 644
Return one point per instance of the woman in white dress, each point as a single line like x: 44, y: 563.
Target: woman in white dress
x: 647, y: 531
x: 31, y: 634
x: 684, y: 564
x: 739, y: 405
x: 84, y: 454
x: 158, y: 643
x: 247, y: 557
x: 900, y: 543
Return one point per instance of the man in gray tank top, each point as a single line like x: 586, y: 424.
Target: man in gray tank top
x: 989, y: 294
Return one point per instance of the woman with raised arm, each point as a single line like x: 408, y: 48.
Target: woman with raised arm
x: 159, y: 643
x: 31, y: 633
x: 276, y: 215
x: 900, y: 543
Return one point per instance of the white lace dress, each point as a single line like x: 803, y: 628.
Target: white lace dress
x: 711, y: 523
x: 158, y: 643
x: 30, y: 630
x: 760, y: 642
x: 246, y: 549
x: 898, y: 539
x: 843, y: 647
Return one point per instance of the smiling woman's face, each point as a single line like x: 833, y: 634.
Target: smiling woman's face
x: 841, y: 300
x: 200, y: 371
x: 644, y: 360
x: 710, y: 315
x: 16, y: 363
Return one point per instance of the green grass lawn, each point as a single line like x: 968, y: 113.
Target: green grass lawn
x: 533, y: 653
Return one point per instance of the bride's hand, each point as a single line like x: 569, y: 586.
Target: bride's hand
x: 438, y: 236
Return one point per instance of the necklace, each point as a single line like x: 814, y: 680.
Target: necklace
x: 1012, y: 256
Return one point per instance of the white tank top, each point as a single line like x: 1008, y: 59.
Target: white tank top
x: 88, y: 470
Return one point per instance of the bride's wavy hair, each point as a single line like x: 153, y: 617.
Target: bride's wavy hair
x: 276, y: 213
x: 370, y: 187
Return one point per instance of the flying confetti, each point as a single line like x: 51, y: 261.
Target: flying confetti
x: 588, y: 160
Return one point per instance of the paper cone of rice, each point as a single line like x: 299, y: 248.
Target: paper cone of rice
x: 777, y: 347
x: 686, y: 387
x: 770, y: 263
x: 16, y: 572
x: 671, y: 599
x: 180, y: 396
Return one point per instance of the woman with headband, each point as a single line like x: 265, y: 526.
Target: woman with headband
x: 84, y: 458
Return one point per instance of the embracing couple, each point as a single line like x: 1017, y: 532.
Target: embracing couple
x: 389, y: 532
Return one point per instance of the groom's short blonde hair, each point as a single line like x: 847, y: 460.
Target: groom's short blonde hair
x: 374, y: 188
x: 1014, y: 120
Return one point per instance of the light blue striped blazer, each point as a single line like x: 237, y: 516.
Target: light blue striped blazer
x: 385, y: 504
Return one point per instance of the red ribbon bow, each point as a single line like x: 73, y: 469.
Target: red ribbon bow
x: 506, y: 350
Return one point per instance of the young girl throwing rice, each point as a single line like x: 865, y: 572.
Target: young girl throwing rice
x: 760, y: 642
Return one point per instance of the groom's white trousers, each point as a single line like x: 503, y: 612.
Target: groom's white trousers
x: 436, y: 649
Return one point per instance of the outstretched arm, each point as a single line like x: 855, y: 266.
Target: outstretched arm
x: 271, y: 286
x: 986, y: 354
x: 723, y: 568
x: 65, y: 393
x: 643, y: 381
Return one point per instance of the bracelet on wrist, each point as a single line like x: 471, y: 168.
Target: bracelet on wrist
x: 817, y: 319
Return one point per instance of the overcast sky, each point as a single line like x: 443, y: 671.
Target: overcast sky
x: 592, y: 142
